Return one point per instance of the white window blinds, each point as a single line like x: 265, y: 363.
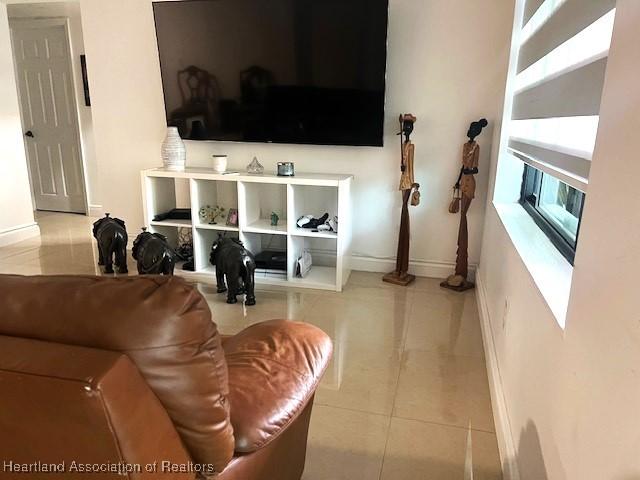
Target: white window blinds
x: 562, y: 60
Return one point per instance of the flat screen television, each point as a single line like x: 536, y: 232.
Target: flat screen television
x: 281, y: 71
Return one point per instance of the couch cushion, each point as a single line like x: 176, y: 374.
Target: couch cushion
x: 162, y: 323
x: 274, y: 369
x: 65, y: 403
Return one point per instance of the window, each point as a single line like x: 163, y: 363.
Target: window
x: 555, y: 207
x: 562, y: 52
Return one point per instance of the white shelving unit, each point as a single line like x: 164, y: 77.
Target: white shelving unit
x: 256, y: 197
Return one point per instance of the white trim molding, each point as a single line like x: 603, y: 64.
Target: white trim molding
x: 19, y: 233
x: 506, y: 445
x: 96, y: 211
x: 420, y: 268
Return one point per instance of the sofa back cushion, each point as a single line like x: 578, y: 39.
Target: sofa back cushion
x: 162, y: 324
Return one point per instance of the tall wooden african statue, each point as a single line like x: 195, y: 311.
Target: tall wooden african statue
x: 409, y: 189
x: 463, y: 192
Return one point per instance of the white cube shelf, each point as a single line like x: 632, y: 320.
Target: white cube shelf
x: 256, y: 197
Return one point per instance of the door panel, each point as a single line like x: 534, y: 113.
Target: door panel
x: 48, y: 111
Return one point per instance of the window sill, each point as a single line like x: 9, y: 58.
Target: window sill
x: 550, y: 271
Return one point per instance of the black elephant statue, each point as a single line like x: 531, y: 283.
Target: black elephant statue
x: 153, y: 254
x: 111, y: 235
x: 237, y: 263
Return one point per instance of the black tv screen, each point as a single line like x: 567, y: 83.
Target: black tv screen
x: 282, y: 71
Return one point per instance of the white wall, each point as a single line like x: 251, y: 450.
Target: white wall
x: 71, y: 10
x: 572, y: 396
x: 16, y: 208
x: 447, y: 64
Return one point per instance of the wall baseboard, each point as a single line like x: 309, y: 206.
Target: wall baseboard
x: 19, y: 233
x: 96, y: 211
x: 506, y: 445
x: 416, y: 267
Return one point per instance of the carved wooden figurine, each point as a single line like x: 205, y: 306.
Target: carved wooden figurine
x: 409, y: 189
x: 111, y: 235
x: 463, y: 192
x: 238, y: 265
x: 153, y: 254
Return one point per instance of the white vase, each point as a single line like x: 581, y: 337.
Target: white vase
x: 220, y: 163
x: 174, y: 153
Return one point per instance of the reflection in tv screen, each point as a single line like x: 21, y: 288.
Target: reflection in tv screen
x: 282, y: 71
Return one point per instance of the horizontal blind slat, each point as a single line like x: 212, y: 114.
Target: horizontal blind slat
x: 570, y: 19
x: 570, y: 169
x: 530, y: 8
x: 571, y: 135
x: 575, y: 93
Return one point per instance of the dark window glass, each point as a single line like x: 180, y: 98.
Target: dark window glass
x: 556, y: 208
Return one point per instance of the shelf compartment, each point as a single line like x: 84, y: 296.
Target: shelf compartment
x: 171, y: 223
x: 264, y: 226
x: 203, y: 239
x: 323, y: 273
x: 256, y: 203
x: 169, y: 231
x: 259, y: 242
x: 311, y: 200
x: 319, y: 277
x: 307, y: 232
x: 216, y: 226
x: 165, y: 194
x: 213, y: 193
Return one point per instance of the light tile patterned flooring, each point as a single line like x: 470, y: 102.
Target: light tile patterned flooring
x: 407, y: 379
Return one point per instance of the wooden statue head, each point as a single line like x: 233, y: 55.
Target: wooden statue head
x: 476, y: 128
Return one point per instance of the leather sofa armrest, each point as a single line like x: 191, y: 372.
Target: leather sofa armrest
x: 69, y: 403
x: 274, y: 370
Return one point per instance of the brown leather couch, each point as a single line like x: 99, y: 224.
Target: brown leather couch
x: 129, y: 378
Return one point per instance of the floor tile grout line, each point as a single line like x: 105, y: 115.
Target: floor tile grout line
x: 431, y: 350
x: 395, y: 393
x: 427, y: 422
x: 354, y: 410
x: 391, y: 417
x: 384, y: 451
x: 440, y: 424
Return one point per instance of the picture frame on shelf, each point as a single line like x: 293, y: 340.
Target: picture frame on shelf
x: 232, y: 217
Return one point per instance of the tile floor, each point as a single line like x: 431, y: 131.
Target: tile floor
x: 407, y: 379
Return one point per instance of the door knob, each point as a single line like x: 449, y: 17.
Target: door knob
x: 29, y: 134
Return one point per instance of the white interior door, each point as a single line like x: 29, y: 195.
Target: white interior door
x: 45, y: 84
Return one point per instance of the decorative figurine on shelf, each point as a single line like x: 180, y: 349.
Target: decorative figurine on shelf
x: 184, y: 250
x: 463, y: 192
x: 111, y: 235
x: 209, y: 214
x: 409, y: 189
x: 238, y: 265
x: 255, y: 167
x: 309, y: 221
x: 274, y: 219
x: 153, y: 253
